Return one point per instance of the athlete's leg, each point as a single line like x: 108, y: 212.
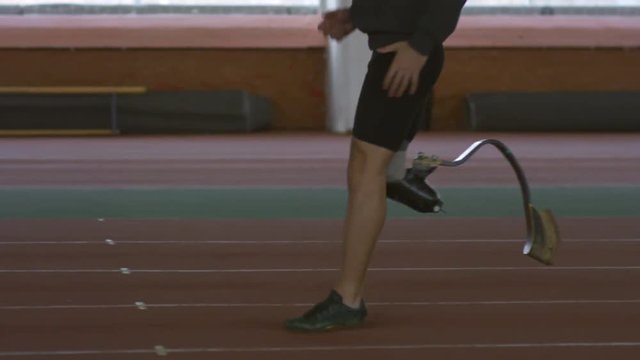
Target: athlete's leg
x: 366, y: 214
x: 380, y: 129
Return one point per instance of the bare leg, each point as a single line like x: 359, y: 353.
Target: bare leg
x: 366, y: 213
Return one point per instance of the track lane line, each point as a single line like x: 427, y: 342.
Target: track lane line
x: 286, y: 242
x: 136, y: 305
x: 306, y: 270
x: 168, y: 351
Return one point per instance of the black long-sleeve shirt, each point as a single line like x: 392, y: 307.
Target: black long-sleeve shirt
x: 424, y: 23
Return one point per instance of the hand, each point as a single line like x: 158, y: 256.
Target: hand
x: 404, y: 73
x: 336, y: 24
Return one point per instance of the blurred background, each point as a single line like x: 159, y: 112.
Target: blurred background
x: 209, y: 66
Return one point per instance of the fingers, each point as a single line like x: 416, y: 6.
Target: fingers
x: 341, y: 35
x: 396, y: 82
x: 338, y: 33
x: 388, y: 49
x: 383, y: 50
x: 400, y: 85
x: 389, y: 79
x: 331, y: 29
x: 336, y: 24
x: 403, y: 75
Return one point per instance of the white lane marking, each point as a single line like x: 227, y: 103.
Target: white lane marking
x: 49, y: 242
x: 408, y: 269
x: 160, y: 350
x: 65, y: 307
x: 286, y: 242
x: 128, y: 271
x: 54, y: 271
x: 75, y: 352
x: 110, y: 242
x: 144, y: 306
x: 325, y: 348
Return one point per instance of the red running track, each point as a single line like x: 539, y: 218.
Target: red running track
x: 220, y: 289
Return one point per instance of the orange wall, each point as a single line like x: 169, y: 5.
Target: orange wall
x: 477, y: 70
x: 294, y: 79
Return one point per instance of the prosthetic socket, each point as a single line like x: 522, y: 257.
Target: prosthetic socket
x: 413, y: 190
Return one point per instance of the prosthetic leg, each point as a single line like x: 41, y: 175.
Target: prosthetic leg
x: 542, y: 231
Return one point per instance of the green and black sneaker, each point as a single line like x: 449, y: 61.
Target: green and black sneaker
x: 330, y: 314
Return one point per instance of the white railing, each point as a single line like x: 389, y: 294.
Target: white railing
x: 167, y: 2
x: 520, y: 3
x: 538, y: 3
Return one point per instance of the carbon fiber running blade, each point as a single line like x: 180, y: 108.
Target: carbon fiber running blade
x: 544, y: 238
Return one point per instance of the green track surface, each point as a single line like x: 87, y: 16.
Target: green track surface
x: 296, y: 203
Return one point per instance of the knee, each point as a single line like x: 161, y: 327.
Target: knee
x: 367, y: 164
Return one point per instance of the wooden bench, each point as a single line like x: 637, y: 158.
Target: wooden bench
x: 113, y: 91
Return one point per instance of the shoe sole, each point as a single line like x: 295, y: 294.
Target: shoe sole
x: 331, y: 328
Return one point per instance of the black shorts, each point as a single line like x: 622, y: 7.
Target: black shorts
x: 393, y: 122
